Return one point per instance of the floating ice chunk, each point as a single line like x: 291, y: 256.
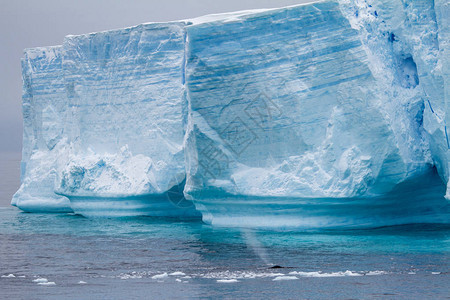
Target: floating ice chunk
x: 372, y: 273
x: 282, y: 278
x: 160, y: 276
x: 227, y: 280
x: 43, y: 281
x: 9, y: 276
x: 82, y: 282
x: 47, y: 283
x: 178, y: 273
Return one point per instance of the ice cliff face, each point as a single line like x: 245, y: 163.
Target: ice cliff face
x: 319, y: 115
x: 321, y: 106
x: 124, y: 92
x: 44, y: 135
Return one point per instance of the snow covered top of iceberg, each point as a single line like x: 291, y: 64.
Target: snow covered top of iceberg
x: 243, y: 14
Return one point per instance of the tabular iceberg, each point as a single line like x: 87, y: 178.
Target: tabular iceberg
x: 319, y: 115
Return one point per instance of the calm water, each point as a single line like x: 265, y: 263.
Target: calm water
x: 118, y: 259
x: 50, y: 256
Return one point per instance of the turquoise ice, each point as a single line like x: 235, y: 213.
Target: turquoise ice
x: 327, y: 114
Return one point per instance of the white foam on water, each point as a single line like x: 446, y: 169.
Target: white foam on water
x: 238, y: 275
x: 40, y: 280
x: 332, y: 274
x: 130, y: 276
x: 8, y: 276
x: 82, y: 282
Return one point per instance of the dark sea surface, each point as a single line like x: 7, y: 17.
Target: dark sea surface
x: 65, y: 256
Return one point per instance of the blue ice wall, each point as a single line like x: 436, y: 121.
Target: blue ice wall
x: 287, y: 107
x: 124, y: 92
x: 44, y: 138
x: 326, y: 114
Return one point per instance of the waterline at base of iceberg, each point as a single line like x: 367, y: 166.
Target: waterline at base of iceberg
x: 159, y: 205
x: 418, y: 200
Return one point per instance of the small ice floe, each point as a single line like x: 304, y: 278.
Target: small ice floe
x: 436, y: 273
x: 178, y: 280
x: 375, y: 273
x: 227, y: 280
x: 9, y: 276
x: 412, y: 273
x: 43, y: 281
x: 177, y: 274
x: 320, y: 274
x: 281, y: 278
x: 47, y: 283
x: 160, y: 276
x: 82, y: 282
x: 22, y: 276
x: 186, y: 277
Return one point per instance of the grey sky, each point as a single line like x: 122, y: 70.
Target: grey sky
x: 28, y: 23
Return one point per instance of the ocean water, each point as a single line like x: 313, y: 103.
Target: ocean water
x: 66, y: 256
x: 53, y: 256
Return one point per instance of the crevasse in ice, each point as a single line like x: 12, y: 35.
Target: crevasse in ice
x: 320, y: 115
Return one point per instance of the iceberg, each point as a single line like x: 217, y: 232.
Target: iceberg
x: 325, y: 114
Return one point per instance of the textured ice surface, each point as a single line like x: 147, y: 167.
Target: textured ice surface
x: 119, y: 95
x: 124, y: 92
x: 314, y: 121
x: 320, y: 115
x: 408, y: 45
x: 292, y: 112
x: 44, y: 137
